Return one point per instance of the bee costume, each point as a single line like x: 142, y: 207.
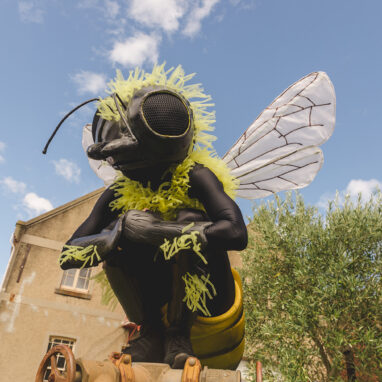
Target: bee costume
x: 164, y: 226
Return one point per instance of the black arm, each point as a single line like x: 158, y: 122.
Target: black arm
x: 228, y: 231
x: 101, y: 229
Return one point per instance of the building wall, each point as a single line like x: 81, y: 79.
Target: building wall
x: 32, y: 307
x: 31, y: 310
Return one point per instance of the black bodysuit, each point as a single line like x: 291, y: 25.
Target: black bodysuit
x: 227, y: 232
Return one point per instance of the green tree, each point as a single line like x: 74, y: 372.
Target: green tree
x: 312, y: 290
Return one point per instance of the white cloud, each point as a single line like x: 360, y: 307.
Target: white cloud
x: 364, y: 187
x: 89, y: 82
x: 164, y: 14
x: 31, y: 11
x: 196, y: 16
x: 35, y: 204
x: 69, y: 170
x: 136, y: 50
x: 2, y: 148
x: 13, y: 185
x: 356, y: 186
x: 167, y: 14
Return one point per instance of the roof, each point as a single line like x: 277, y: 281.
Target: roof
x: 22, y: 226
x: 60, y: 209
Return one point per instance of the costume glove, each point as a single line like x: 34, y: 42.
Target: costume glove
x: 88, y: 251
x: 145, y: 227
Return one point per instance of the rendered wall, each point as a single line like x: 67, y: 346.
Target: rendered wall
x: 31, y: 310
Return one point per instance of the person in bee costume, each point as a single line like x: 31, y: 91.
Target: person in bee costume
x: 163, y: 227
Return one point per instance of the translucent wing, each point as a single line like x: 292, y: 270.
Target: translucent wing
x: 102, y: 169
x: 279, y: 150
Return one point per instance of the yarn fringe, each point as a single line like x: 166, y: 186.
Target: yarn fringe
x: 183, y: 242
x: 87, y: 255
x: 197, y: 290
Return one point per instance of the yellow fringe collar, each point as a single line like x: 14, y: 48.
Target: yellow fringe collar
x: 171, y: 195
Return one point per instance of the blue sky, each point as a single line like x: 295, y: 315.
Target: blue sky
x: 55, y: 54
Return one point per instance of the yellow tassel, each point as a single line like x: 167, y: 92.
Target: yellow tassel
x: 183, y: 242
x: 196, y: 290
x: 85, y: 254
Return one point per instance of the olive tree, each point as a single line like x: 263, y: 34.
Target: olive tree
x: 312, y: 290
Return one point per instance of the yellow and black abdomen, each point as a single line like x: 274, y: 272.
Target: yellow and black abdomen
x: 219, y: 341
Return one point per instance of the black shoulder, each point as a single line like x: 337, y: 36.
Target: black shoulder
x: 202, y: 178
x: 106, y: 197
x: 100, y: 216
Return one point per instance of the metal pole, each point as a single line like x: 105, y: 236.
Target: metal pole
x: 259, y: 372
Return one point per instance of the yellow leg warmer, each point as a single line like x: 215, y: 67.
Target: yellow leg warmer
x: 219, y: 341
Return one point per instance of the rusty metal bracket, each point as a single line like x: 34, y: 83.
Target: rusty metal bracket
x: 123, y: 363
x: 191, y: 370
x: 23, y: 263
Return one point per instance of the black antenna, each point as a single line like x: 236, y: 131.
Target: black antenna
x: 120, y: 100
x: 129, y: 132
x: 63, y: 120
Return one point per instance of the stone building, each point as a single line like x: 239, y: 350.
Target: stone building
x: 41, y: 305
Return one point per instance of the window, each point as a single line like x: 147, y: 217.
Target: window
x: 75, y: 283
x: 61, y: 363
x: 76, y: 279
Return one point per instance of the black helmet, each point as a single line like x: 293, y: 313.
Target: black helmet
x: 156, y: 126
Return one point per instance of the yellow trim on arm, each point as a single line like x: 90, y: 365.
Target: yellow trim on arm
x: 87, y: 255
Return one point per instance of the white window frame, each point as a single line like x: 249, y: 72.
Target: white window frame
x: 74, y: 286
x: 58, y: 340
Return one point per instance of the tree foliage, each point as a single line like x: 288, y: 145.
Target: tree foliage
x: 312, y: 289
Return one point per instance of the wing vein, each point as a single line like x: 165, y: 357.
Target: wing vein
x: 278, y: 176
x: 270, y: 131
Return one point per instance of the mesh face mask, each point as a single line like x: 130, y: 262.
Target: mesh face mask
x: 162, y: 122
x: 155, y: 126
x: 165, y: 114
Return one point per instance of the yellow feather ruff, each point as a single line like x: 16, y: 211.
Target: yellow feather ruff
x: 174, y: 79
x: 171, y: 195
